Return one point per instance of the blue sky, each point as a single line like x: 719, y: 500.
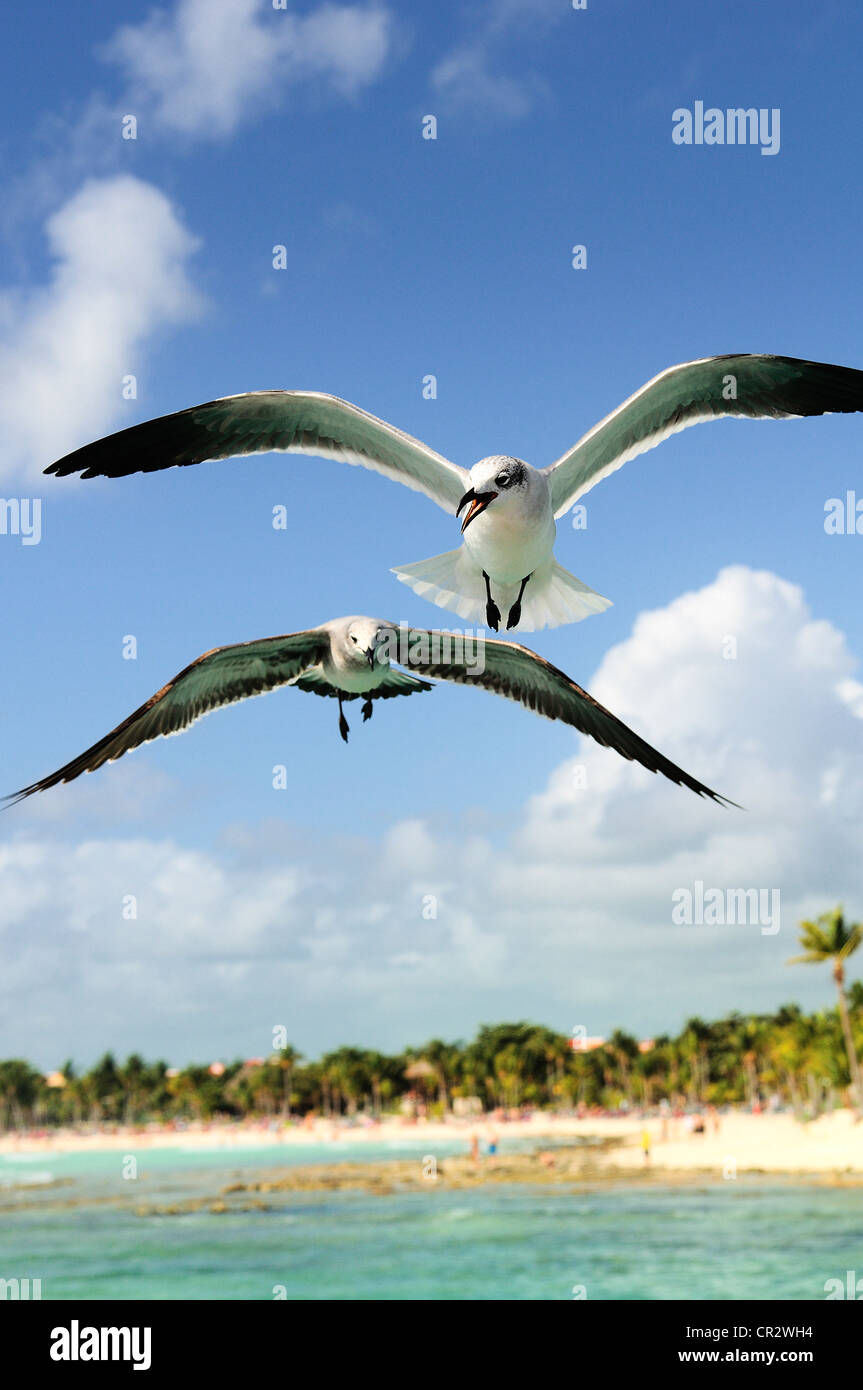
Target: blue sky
x: 406, y: 257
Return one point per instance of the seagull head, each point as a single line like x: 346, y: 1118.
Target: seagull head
x: 367, y: 639
x: 496, y: 477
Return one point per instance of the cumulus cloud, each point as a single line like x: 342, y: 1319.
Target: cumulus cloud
x: 425, y: 932
x: 120, y: 272
x: 206, y: 65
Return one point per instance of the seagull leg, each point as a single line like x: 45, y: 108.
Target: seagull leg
x: 344, y: 726
x: 492, y: 612
x: 367, y: 708
x: 515, y: 612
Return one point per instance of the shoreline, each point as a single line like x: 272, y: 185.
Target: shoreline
x: 769, y: 1144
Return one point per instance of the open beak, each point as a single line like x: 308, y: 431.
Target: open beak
x: 478, y: 503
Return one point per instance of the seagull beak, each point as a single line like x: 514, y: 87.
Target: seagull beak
x: 370, y: 654
x: 478, y: 503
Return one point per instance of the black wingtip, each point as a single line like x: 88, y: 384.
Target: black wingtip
x: 66, y: 468
x: 724, y: 801
x: 15, y: 798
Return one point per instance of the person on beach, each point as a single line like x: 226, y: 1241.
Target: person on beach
x: 474, y: 1149
x: 645, y: 1144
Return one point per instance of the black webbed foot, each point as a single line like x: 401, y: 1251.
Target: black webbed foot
x: 492, y: 612
x: 367, y: 710
x: 515, y: 612
x: 344, y: 726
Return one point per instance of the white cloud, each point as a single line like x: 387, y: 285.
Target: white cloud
x: 206, y: 65
x: 471, y: 76
x: 465, y: 79
x: 119, y: 274
x: 424, y: 932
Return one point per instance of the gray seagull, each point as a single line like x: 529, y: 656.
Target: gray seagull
x: 506, y: 559
x: 350, y: 658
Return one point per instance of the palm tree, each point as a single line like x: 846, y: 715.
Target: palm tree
x: 652, y: 1069
x: 376, y: 1066
x: 830, y: 938
x: 786, y: 1050
x: 264, y: 1086
x: 547, y: 1054
x: 19, y: 1088
x: 107, y: 1088
x: 623, y: 1049
x: 344, y: 1073
x: 288, y: 1059
x: 751, y: 1042
x: 132, y: 1079
x: 695, y: 1041
x: 509, y: 1068
x: 442, y: 1057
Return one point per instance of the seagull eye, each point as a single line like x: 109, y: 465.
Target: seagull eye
x: 353, y: 639
x: 502, y: 480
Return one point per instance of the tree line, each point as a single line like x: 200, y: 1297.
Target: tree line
x: 808, y: 1061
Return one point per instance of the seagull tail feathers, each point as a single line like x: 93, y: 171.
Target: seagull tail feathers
x: 449, y: 580
x: 553, y: 596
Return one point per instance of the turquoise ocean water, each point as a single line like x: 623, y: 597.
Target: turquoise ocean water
x: 754, y: 1238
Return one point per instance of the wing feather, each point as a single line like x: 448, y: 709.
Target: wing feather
x: 513, y: 671
x: 219, y: 677
x: 756, y: 386
x: 259, y: 422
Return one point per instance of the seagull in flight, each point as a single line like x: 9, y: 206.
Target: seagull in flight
x: 505, y: 562
x: 350, y: 658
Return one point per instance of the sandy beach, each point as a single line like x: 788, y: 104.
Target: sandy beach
x: 734, y: 1143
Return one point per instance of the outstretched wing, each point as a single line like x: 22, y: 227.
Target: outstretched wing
x: 220, y: 677
x: 260, y: 422
x: 713, y: 388
x: 507, y: 669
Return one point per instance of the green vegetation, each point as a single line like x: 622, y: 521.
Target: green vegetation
x: 831, y: 939
x: 810, y: 1061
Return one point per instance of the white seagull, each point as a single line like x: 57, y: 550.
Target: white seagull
x: 348, y: 659
x: 506, y: 561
